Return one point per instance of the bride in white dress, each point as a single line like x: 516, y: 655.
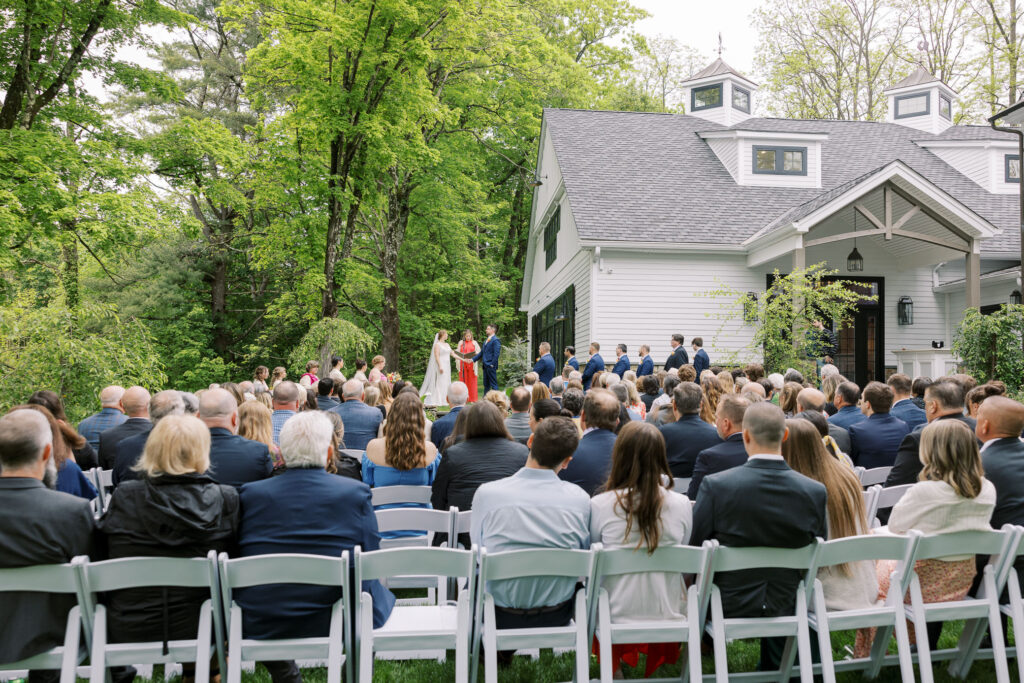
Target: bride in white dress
x: 434, y: 391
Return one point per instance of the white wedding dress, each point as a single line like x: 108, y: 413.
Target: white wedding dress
x: 434, y: 391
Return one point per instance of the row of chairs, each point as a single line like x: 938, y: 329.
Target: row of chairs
x: 468, y: 625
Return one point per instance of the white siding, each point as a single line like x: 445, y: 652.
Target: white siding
x: 727, y: 151
x: 746, y: 164
x: 931, y: 122
x: 973, y: 162
x: 726, y: 115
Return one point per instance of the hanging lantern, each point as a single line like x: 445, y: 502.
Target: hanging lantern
x: 855, y: 262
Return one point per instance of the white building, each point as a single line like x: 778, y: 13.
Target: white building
x: 639, y: 215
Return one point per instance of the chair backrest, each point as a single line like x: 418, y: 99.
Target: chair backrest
x: 104, y: 478
x: 143, y: 572
x: 410, y: 519
x: 681, y: 484
x: 385, y: 564
x: 389, y: 495
x: 46, y: 578
x: 867, y: 547
x: 870, y: 496
x: 889, y: 496
x: 354, y: 453
x: 262, y: 570
x: 463, y: 520
x: 517, y: 564
x: 988, y: 542
x: 727, y: 559
x: 876, y: 475
x: 678, y: 559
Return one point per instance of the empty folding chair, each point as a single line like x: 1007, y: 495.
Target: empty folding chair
x: 104, y: 481
x: 876, y: 475
x: 524, y: 564
x: 723, y: 629
x: 886, y: 498
x: 425, y: 627
x: 390, y: 495
x: 415, y: 519
x: 59, y: 579
x: 887, y: 618
x: 312, y: 570
x: 870, y: 494
x: 153, y: 572
x: 670, y: 559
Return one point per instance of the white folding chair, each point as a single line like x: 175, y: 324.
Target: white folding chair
x: 722, y: 629
x: 876, y: 475
x: 147, y: 572
x: 313, y: 570
x: 681, y: 484
x: 58, y: 579
x: 887, y: 617
x: 886, y: 497
x: 415, y: 519
x: 354, y: 453
x: 390, y: 495
x: 669, y: 559
x: 870, y: 494
x: 104, y: 482
x: 461, y: 522
x: 525, y: 564
x: 443, y: 626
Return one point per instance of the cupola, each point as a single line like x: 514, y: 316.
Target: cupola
x: 921, y: 101
x: 719, y: 93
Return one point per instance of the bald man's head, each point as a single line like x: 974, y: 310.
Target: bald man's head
x: 286, y: 394
x: 110, y: 397
x: 810, y: 399
x: 753, y: 389
x: 218, y: 408
x: 1000, y: 418
x: 135, y: 402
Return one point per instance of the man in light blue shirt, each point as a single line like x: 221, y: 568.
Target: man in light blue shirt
x: 286, y: 405
x: 534, y: 509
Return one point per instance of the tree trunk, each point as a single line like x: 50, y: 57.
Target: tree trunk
x: 396, y: 222
x: 219, y: 301
x: 69, y: 271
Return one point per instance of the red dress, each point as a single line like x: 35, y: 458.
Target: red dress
x: 467, y: 371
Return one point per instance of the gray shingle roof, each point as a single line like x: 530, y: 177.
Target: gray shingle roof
x: 650, y: 177
x: 969, y: 133
x: 921, y: 76
x: 717, y: 68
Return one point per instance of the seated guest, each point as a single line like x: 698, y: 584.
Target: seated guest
x: 711, y: 392
x: 499, y: 399
x: 649, y: 383
x: 847, y: 586
x: 37, y: 526
x: 128, y: 451
x: 173, y: 510
x: 669, y: 385
x: 233, y: 460
x: 754, y: 372
x: 311, y: 400
x: 811, y: 400
x: 903, y: 405
x: 533, y: 508
x: 85, y: 455
x: 458, y: 395
x: 135, y: 404
x: 626, y: 414
x: 740, y: 507
x: 325, y: 399
x: 403, y: 457
x: 636, y: 511
x: 304, y: 510
x: 787, y: 398
x: 829, y: 385
x: 1000, y: 423
x: 688, y: 435
x: 518, y: 423
x: 362, y: 422
x: 728, y: 384
x: 952, y: 495
x: 793, y: 376
x: 918, y: 387
x: 773, y: 385
x: 875, y: 441
x: 973, y: 400
x: 846, y: 401
x: 572, y: 403
x: 592, y: 459
x: 539, y: 391
x: 255, y: 423
x: 730, y: 452
x: 557, y: 389
x: 754, y: 391
x: 70, y: 478
x: 110, y: 415
x: 634, y: 403
x: 545, y: 366
x: 288, y: 398
x: 687, y: 374
x: 821, y: 424
x: 342, y: 464
x: 529, y: 379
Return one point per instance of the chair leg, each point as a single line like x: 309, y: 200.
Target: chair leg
x: 490, y: 642
x: 72, y: 638
x: 365, y: 644
x: 789, y: 653
x: 1017, y: 615
x: 902, y: 647
x: 97, y: 658
x: 462, y: 644
x: 582, y: 647
x: 604, y: 636
x: 718, y: 635
x: 203, y: 637
x: 235, y: 646
x: 995, y: 629
x: 828, y: 672
x: 695, y: 630
x: 335, y: 648
x: 924, y: 656
x: 803, y: 641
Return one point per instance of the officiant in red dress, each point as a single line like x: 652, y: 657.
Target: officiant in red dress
x: 467, y: 371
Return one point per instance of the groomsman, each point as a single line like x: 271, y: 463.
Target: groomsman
x: 489, y: 354
x: 646, y: 366
x: 570, y: 358
x: 622, y: 364
x: 701, y: 362
x: 545, y: 367
x: 595, y: 364
x: 678, y: 358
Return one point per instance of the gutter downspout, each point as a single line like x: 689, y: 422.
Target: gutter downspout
x: 1020, y: 184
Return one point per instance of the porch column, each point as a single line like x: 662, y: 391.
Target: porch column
x: 799, y: 263
x: 972, y: 281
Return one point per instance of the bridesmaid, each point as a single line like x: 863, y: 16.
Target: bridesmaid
x: 467, y: 369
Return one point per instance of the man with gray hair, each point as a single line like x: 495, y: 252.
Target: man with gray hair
x: 191, y: 402
x: 128, y: 451
x: 741, y: 508
x: 304, y: 510
x: 362, y: 422
x: 110, y: 416
x: 233, y: 460
x: 688, y: 435
x: 458, y: 394
x: 287, y: 399
x: 557, y: 387
x: 134, y: 403
x: 37, y: 526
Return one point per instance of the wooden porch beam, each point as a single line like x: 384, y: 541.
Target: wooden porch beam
x: 972, y: 280
x: 914, y: 210
x: 870, y: 216
x: 944, y: 222
x: 843, y: 236
x: 931, y: 240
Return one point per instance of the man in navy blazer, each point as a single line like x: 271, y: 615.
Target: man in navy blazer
x: 362, y: 423
x: 304, y: 510
x: 646, y: 366
x: 688, y: 435
x: 903, y: 405
x: 622, y: 364
x: 135, y: 403
x: 875, y: 441
x: 1000, y: 422
x: 489, y: 356
x: 846, y: 399
x: 458, y: 394
x: 128, y: 451
x: 326, y: 394
x: 595, y: 364
x: 678, y: 358
x: 728, y: 454
x: 545, y: 366
x: 570, y: 358
x: 701, y: 362
x: 592, y: 460
x: 233, y: 460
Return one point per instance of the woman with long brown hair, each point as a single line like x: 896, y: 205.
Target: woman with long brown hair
x: 711, y: 390
x: 70, y: 478
x: 787, y: 398
x: 846, y: 586
x: 85, y: 455
x: 404, y: 456
x: 637, y: 511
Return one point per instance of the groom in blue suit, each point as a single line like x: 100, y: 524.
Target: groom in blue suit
x: 545, y: 367
x: 489, y: 355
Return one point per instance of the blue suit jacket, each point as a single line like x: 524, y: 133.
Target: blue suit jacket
x: 684, y: 440
x: 646, y: 366
x: 361, y: 423
x: 545, y: 368
x: 235, y: 460
x: 591, y: 462
x: 847, y: 417
x: 574, y: 363
x: 701, y: 362
x: 621, y: 365
x: 909, y: 413
x: 875, y: 441
x: 490, y: 353
x: 444, y: 426
x: 724, y: 456
x: 304, y: 511
x: 593, y: 365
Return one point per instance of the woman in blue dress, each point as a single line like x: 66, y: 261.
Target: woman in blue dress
x: 404, y: 457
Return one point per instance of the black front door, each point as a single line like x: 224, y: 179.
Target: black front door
x: 861, y: 356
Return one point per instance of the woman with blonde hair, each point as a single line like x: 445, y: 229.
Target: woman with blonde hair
x: 539, y: 392
x: 255, y: 423
x: 711, y: 394
x: 371, y: 397
x: 498, y: 398
x: 634, y: 402
x: 829, y: 384
x: 725, y: 381
x: 787, y: 399
x: 376, y: 373
x: 259, y: 379
x: 279, y: 375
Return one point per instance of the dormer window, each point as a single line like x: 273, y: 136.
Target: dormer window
x: 1011, y: 166
x: 707, y: 97
x: 741, y: 99
x: 780, y: 160
x: 945, y: 107
x: 916, y: 104
x: 551, y: 238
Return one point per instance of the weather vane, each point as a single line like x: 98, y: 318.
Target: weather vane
x: 720, y: 47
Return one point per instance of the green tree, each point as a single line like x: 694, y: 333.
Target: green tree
x: 989, y: 346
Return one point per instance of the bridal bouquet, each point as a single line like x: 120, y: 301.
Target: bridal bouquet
x: 393, y: 377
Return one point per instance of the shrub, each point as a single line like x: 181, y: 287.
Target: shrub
x: 989, y: 346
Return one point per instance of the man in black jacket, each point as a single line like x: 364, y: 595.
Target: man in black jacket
x: 728, y: 454
x: 1000, y: 422
x: 741, y: 508
x: 128, y: 451
x: 233, y: 460
x: 679, y: 358
x: 135, y: 404
x: 814, y: 401
x: 688, y: 435
x: 37, y: 526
